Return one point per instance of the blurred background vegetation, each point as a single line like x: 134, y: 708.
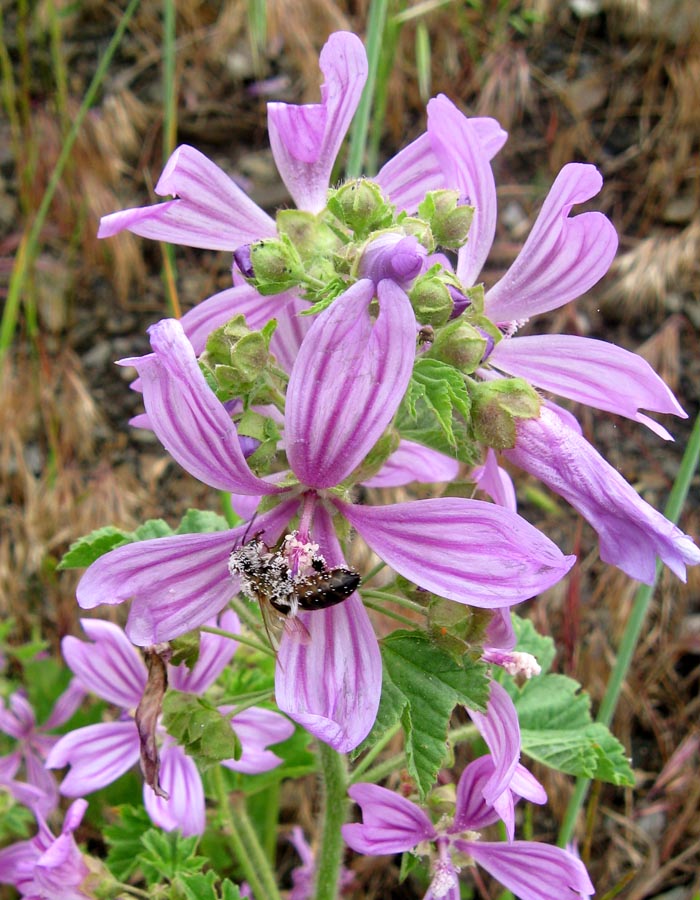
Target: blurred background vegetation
x: 94, y: 97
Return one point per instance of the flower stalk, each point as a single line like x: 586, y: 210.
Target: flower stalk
x: 334, y: 776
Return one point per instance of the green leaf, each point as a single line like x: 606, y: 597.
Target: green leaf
x: 432, y: 683
x: 201, y: 521
x: 152, y: 528
x: 124, y: 840
x: 531, y: 641
x: 557, y: 730
x: 391, y: 706
x: 200, y: 728
x: 166, y: 854
x: 90, y: 547
x: 436, y: 411
x: 204, y: 886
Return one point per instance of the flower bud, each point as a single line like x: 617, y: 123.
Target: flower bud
x: 390, y: 255
x: 460, y: 345
x: 449, y: 219
x: 275, y: 265
x: 495, y: 407
x: 361, y: 206
x: 431, y: 300
x: 311, y: 237
x: 236, y: 357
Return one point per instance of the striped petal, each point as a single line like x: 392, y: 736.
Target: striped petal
x: 211, y: 211
x: 465, y: 550
x: 97, y: 755
x: 188, y: 419
x: 562, y: 257
x: 347, y: 382
x: 305, y: 140
x: 181, y: 781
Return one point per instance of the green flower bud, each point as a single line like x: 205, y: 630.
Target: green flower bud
x: 420, y: 230
x: 460, y: 345
x: 237, y: 357
x: 311, y: 237
x: 431, y: 301
x: 361, y: 206
x: 449, y: 219
x: 276, y: 265
x: 496, y: 405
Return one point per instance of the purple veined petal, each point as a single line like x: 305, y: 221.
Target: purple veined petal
x: 257, y: 729
x: 414, y: 462
x: 180, y: 779
x: 67, y: 704
x: 499, y: 631
x: 525, y: 785
x: 331, y: 683
x: 531, y: 870
x: 562, y: 257
x: 593, y: 372
x: 199, y: 322
x: 110, y: 667
x: 567, y: 419
x: 495, y: 482
x: 39, y: 776
x: 188, y: 419
x: 18, y: 721
x: 215, y: 653
x: 631, y: 533
x: 97, y: 754
x: 465, y: 550
x: 399, y: 258
x: 211, y: 211
x: 472, y: 812
x: 347, y: 382
x: 305, y: 140
x: 17, y: 863
x: 177, y: 582
x: 500, y: 729
x: 390, y: 823
x: 415, y: 170
x: 290, y: 332
x: 467, y: 168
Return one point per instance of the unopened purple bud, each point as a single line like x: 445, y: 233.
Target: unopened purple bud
x: 460, y: 301
x: 243, y: 260
x: 400, y: 258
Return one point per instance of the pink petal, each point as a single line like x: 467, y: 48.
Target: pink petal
x: 257, y: 729
x: 290, y: 332
x: 305, y: 140
x: 593, y: 372
x: 67, y: 704
x: 97, y: 754
x: 631, y: 533
x: 180, y: 779
x: 495, y: 482
x: 212, y: 211
x: 331, y: 683
x: 563, y: 257
x: 390, y: 823
x: 416, y: 169
x: 465, y: 550
x: 177, y: 582
x: 193, y: 426
x: 468, y: 169
x: 414, y: 462
x: 499, y: 631
x: 347, y: 382
x: 500, y: 729
x: 531, y: 870
x: 215, y: 653
x: 110, y: 667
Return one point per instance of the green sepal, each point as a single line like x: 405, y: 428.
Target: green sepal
x: 276, y: 265
x: 449, y: 219
x: 458, y: 344
x: 361, y: 206
x: 495, y: 407
x: 185, y: 649
x: 199, y: 728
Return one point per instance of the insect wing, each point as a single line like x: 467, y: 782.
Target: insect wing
x: 319, y: 591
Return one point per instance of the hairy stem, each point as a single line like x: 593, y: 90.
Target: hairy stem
x: 335, y: 805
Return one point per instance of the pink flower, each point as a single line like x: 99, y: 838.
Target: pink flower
x: 112, y: 668
x: 48, y: 867
x: 392, y: 824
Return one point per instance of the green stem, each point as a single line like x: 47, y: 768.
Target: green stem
x: 395, y: 598
x: 372, y: 754
x: 29, y: 248
x: 335, y: 804
x: 378, y: 607
x: 254, y: 865
x: 241, y: 638
x: 227, y: 509
x: 633, y: 628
